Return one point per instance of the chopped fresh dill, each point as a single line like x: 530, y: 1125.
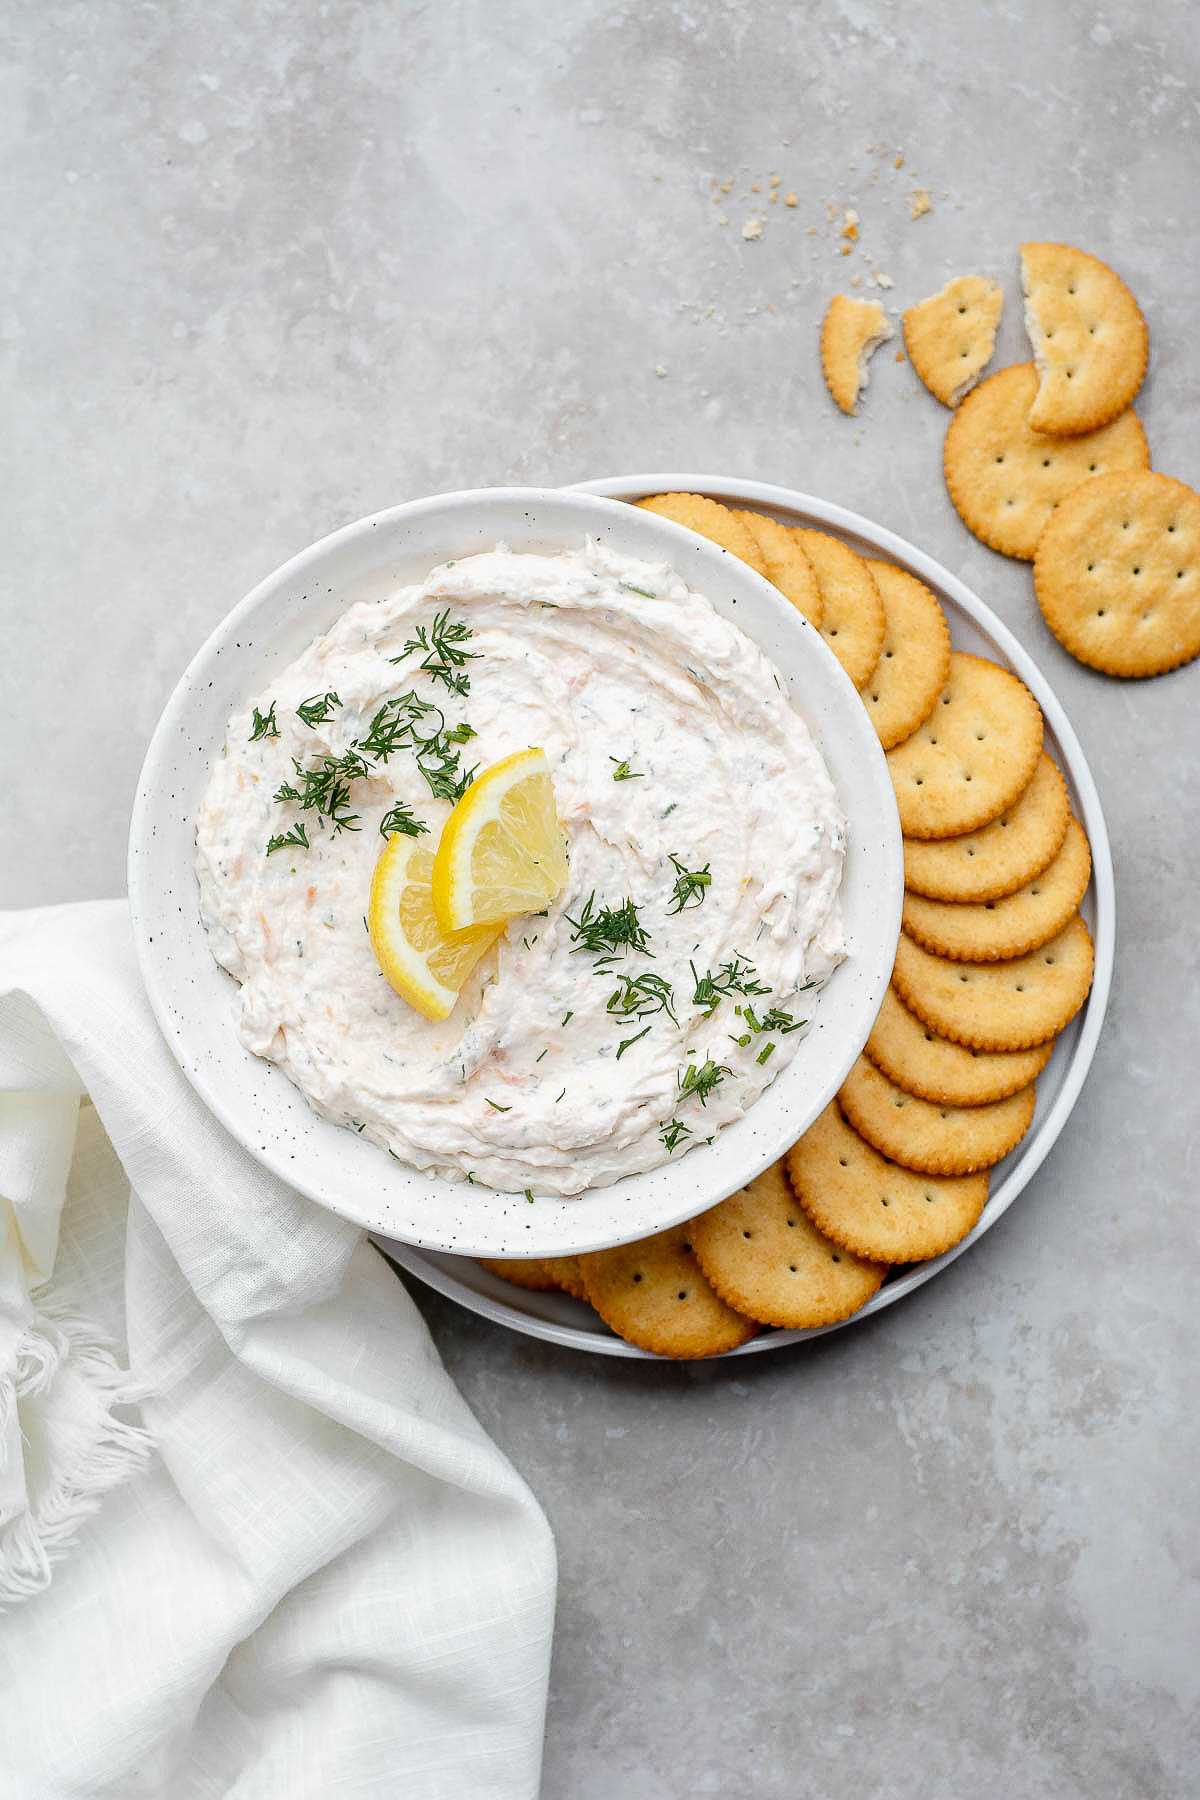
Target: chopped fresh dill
x: 668, y: 810
x: 264, y: 725
x: 767, y: 1050
x: 560, y: 1096
x: 325, y: 789
x: 567, y: 1017
x: 630, y: 588
x: 392, y: 726
x: 736, y: 977
x: 608, y: 931
x: 673, y: 1134
x: 296, y: 836
x: 637, y: 997
x: 545, y: 1052
x: 399, y: 819
x: 285, y: 791
x: 317, y: 709
x: 461, y: 734
x: 701, y: 1081
x: 623, y: 1046
x: 529, y: 1195
x: 690, y: 886
x: 496, y: 1107
x: 445, y: 659
x: 623, y: 772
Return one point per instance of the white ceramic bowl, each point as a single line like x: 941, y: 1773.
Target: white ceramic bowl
x: 193, y: 998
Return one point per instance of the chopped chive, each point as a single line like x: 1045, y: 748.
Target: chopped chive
x: 623, y: 1046
x: 496, y: 1107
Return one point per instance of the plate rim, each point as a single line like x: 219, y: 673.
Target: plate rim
x: 1047, y: 1132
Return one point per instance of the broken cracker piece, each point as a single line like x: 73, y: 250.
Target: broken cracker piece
x: 919, y: 203
x: 851, y: 332
x: 951, y: 335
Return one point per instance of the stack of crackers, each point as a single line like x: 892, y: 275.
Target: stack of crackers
x: 994, y: 960
x: 1046, y: 461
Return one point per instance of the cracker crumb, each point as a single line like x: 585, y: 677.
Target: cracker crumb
x: 722, y: 218
x: 919, y: 203
x: 899, y: 356
x: 660, y: 369
x: 882, y: 280
x: 789, y: 199
x: 752, y: 230
x: 726, y: 185
x: 856, y: 281
x: 810, y: 231
x: 846, y: 249
x: 756, y: 187
x: 773, y: 195
x: 899, y: 162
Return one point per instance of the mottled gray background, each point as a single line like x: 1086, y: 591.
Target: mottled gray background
x: 270, y: 266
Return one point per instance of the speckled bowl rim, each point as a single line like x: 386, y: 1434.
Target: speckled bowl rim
x: 1037, y: 1146
x: 261, y: 1108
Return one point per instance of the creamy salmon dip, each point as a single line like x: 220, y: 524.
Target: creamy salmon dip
x: 669, y: 984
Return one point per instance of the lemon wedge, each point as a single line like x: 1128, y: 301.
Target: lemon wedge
x: 502, y: 850
x: 426, y: 965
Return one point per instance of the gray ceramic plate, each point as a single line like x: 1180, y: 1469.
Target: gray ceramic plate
x: 973, y: 627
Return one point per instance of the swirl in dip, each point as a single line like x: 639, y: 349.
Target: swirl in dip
x: 669, y: 736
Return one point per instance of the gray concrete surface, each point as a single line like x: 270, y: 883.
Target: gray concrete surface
x: 270, y: 266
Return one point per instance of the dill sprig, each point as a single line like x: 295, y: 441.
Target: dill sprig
x: 297, y: 836
x: 392, y: 726
x: 317, y: 709
x: 700, y: 1080
x: 638, y: 997
x: 264, y: 725
x: 623, y: 772
x: 735, y: 977
x: 623, y: 1046
x: 608, y: 931
x: 631, y: 589
x: 673, y: 1134
x: 496, y: 1106
x: 690, y: 886
x: 399, y: 819
x: 325, y: 789
x: 445, y: 659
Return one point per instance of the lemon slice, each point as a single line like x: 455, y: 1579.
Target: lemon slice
x: 426, y: 965
x: 502, y: 850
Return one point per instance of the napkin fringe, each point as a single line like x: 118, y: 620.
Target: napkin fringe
x: 95, y: 1450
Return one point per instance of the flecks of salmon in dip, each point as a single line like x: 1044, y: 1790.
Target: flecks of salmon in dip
x: 689, y: 789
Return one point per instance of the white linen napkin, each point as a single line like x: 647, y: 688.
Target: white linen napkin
x: 278, y: 1556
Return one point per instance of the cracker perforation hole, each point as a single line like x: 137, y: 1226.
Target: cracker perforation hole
x: 682, y: 1294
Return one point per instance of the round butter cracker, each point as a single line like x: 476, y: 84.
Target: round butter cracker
x: 523, y: 1272
x: 932, y: 1136
x: 914, y: 658
x: 763, y: 1255
x: 852, y: 619
x: 1089, y: 338
x: 873, y: 1207
x: 1117, y: 573
x: 655, y: 1295
x: 1001, y: 1005
x: 788, y: 568
x: 709, y: 519
x: 851, y: 332
x: 1004, y: 855
x: 972, y: 756
x: 951, y: 335
x: 991, y: 930
x: 933, y: 1068
x: 1006, y: 479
